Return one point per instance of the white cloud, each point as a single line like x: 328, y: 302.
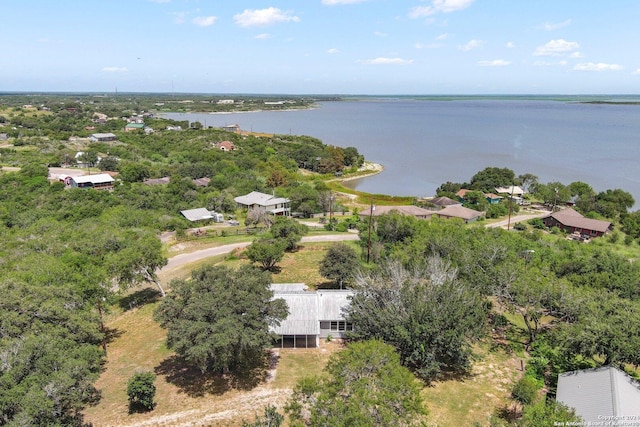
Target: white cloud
x: 335, y: 2
x: 259, y: 17
x: 263, y: 36
x: 380, y: 34
x: 115, y: 69
x: 436, y: 6
x: 494, y: 63
x: 204, y: 21
x: 558, y: 47
x: 180, y: 17
x: 386, y: 61
x: 576, y: 55
x: 333, y: 50
x: 443, y: 36
x: 600, y: 66
x: 636, y: 71
x: 160, y: 1
x: 550, y: 26
x: 473, y: 44
x: 511, y: 45
x: 419, y: 46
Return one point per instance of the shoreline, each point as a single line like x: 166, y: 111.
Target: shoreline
x: 370, y: 168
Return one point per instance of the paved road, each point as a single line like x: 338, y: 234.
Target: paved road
x: 182, y: 259
x: 518, y: 218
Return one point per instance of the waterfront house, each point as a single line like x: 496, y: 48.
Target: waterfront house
x: 129, y: 127
x: 226, y: 146
x: 443, y: 202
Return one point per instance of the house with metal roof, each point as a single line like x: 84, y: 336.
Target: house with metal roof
x: 408, y: 210
x: 265, y: 202
x: 313, y: 315
x: 600, y: 395
x: 573, y: 222
x: 102, y: 137
x: 102, y: 181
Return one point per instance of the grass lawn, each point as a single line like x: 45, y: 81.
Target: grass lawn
x: 186, y: 397
x: 474, y: 399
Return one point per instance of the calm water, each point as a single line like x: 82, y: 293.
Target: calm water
x: 425, y: 143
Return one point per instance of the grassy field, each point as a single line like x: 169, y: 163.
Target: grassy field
x: 186, y: 397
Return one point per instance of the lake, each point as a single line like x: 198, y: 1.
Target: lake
x: 423, y: 143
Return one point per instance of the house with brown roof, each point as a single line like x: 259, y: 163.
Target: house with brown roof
x: 456, y: 211
x: 226, y: 146
x: 573, y: 222
x: 414, y: 211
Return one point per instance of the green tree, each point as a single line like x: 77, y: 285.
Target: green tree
x: 339, y: 264
x: 426, y: 313
x: 365, y: 386
x: 289, y: 230
x: 141, y: 391
x: 489, y: 178
x: 266, y: 252
x: 220, y: 318
x: 544, y: 414
x: 475, y: 200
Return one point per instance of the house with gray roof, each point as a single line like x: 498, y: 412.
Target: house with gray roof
x: 265, y: 202
x: 102, y: 181
x: 600, y: 395
x: 312, y: 315
x: 573, y: 222
x: 102, y: 137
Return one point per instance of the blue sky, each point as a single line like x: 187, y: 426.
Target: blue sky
x: 322, y: 46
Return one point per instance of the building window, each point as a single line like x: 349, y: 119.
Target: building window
x: 341, y: 326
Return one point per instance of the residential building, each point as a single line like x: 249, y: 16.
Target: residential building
x: 456, y: 211
x: 573, y: 222
x: 101, y: 181
x: 129, y: 127
x: 265, y: 202
x: 313, y: 315
x: 408, y: 210
x: 102, y: 137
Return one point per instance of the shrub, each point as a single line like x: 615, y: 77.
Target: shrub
x: 141, y: 391
x: 525, y: 390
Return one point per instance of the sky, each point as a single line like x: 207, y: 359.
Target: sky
x: 366, y: 47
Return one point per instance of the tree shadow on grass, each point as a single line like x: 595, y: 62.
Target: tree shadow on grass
x: 192, y: 381
x: 139, y: 298
x: 111, y: 334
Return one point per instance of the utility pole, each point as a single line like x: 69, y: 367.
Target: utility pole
x: 331, y: 210
x: 510, y: 208
x: 371, y: 210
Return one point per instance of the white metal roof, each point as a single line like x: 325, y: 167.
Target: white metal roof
x: 308, y: 308
x: 598, y: 393
x: 261, y: 199
x: 198, y: 214
x: 100, y: 178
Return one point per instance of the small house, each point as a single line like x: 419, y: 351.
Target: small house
x: 130, y: 127
x: 102, y: 137
x: 101, y: 181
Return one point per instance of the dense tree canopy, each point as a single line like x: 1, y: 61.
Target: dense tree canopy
x: 220, y: 318
x: 366, y: 386
x: 425, y: 312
